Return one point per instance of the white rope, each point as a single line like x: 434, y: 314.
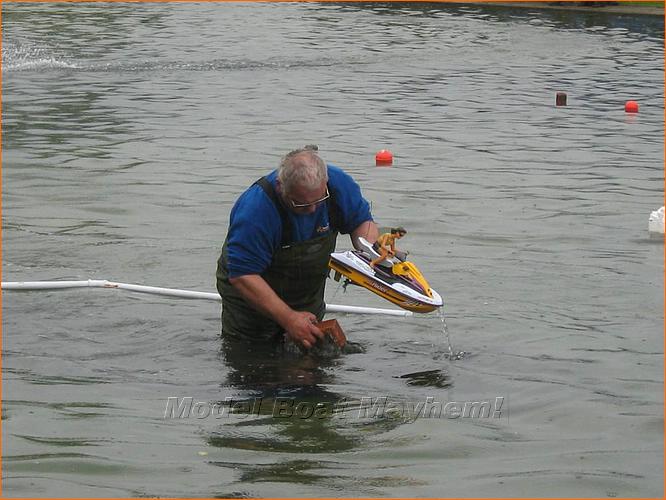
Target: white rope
x: 173, y: 292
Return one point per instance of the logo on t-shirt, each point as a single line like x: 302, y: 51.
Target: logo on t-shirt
x: 323, y: 229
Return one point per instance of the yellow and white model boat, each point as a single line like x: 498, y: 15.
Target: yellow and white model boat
x: 393, y: 279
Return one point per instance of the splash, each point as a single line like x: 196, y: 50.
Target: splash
x: 20, y: 57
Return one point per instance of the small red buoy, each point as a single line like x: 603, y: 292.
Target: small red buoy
x: 631, y: 107
x: 384, y: 157
x: 561, y: 99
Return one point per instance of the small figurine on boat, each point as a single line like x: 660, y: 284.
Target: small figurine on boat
x: 384, y: 270
x: 385, y: 245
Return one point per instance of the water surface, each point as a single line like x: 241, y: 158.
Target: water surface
x: 128, y: 132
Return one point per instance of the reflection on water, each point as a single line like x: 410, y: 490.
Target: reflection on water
x: 284, y: 405
x: 291, y: 391
x: 641, y: 25
x: 428, y: 378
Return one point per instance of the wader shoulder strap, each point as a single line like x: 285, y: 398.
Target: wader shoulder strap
x: 334, y: 216
x: 265, y: 184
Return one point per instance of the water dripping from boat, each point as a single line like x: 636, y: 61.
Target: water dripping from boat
x: 451, y: 353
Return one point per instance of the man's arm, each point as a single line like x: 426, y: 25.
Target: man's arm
x: 367, y: 230
x: 297, y: 324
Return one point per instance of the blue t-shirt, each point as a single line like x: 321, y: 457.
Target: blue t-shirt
x: 255, y: 226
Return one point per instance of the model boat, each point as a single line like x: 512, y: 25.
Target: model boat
x: 394, y: 279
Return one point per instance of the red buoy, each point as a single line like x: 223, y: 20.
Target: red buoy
x: 631, y: 107
x: 384, y: 158
x: 561, y: 99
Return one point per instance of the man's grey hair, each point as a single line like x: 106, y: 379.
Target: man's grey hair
x: 302, y: 167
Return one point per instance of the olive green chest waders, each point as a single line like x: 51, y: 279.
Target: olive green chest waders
x: 297, y: 275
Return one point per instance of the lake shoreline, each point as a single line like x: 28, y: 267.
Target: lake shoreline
x: 637, y: 9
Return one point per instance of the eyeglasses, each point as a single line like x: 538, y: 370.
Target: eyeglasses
x: 306, y: 205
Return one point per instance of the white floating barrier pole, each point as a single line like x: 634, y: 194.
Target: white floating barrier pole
x: 334, y: 308
x: 173, y: 292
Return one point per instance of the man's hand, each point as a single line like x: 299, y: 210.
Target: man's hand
x: 300, y: 328
x: 298, y: 325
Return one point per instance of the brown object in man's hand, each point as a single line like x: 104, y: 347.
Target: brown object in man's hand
x: 332, y: 328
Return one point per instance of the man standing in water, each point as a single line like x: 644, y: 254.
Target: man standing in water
x: 272, y: 270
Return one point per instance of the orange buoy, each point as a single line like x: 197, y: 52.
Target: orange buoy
x: 561, y: 99
x: 631, y: 107
x: 384, y: 158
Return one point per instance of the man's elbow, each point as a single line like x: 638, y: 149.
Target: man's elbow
x: 239, y: 280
